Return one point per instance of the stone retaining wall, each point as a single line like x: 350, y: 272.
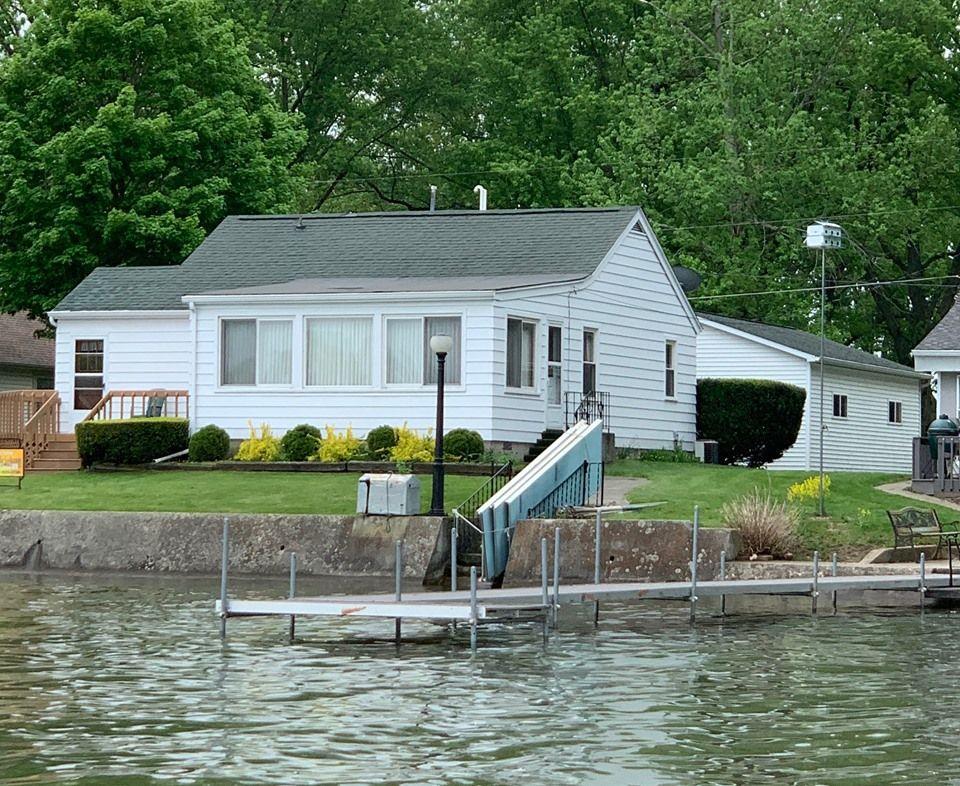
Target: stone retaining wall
x: 191, y: 542
x: 631, y: 550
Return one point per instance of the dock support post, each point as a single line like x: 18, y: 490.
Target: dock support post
x: 723, y: 577
x: 453, y: 558
x: 398, y: 569
x: 293, y: 591
x: 596, y: 565
x: 556, y: 575
x: 224, y: 558
x: 544, y: 585
x: 815, y: 592
x: 693, y: 563
x: 923, y: 579
x: 473, y: 608
x: 833, y: 572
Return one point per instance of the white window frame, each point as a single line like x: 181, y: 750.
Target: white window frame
x: 596, y: 357
x: 305, y: 351
x: 844, y: 404
x: 423, y: 385
x: 558, y: 364
x: 671, y: 345
x: 291, y: 385
x: 525, y: 390
x: 897, y: 411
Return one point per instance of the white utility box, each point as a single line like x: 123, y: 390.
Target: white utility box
x: 388, y: 495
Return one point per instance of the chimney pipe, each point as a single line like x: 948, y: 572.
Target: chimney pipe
x: 483, y: 196
x: 433, y: 198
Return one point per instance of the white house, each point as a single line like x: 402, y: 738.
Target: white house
x: 939, y: 355
x: 871, y: 405
x: 326, y: 319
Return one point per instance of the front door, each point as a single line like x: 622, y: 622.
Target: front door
x: 554, y: 377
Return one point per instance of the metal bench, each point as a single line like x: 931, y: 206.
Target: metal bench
x: 911, y: 525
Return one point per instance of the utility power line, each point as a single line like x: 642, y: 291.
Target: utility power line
x: 857, y: 285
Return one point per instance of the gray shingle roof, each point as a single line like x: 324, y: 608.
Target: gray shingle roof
x: 808, y: 343
x: 257, y: 251
x: 946, y: 334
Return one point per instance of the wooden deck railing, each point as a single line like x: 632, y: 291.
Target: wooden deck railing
x: 123, y: 404
x: 17, y: 407
x: 939, y: 476
x: 37, y: 431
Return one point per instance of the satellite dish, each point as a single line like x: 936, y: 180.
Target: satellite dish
x: 689, y: 279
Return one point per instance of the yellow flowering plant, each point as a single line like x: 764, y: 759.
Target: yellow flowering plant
x: 261, y: 445
x: 336, y: 447
x: 808, y: 490
x: 411, y: 446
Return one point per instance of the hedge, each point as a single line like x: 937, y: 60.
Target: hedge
x: 463, y: 444
x: 210, y: 443
x: 300, y: 442
x: 134, y: 441
x: 754, y: 421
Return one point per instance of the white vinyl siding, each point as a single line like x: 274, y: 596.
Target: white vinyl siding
x: 864, y: 440
x: 141, y: 352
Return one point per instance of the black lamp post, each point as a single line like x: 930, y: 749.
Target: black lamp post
x: 441, y: 345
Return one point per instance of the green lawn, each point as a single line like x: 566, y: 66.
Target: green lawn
x: 215, y: 491
x: 856, y: 517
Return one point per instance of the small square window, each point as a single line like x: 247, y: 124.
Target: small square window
x: 895, y: 412
x: 839, y: 405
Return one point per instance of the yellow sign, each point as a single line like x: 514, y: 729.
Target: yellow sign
x: 11, y: 463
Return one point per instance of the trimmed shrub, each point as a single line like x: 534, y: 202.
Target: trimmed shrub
x: 766, y: 526
x: 260, y: 446
x: 754, y: 420
x: 210, y: 443
x: 379, y: 442
x: 336, y: 447
x: 300, y: 442
x: 134, y: 441
x: 411, y: 446
x: 463, y: 444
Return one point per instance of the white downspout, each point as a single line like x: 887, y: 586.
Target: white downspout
x: 193, y: 382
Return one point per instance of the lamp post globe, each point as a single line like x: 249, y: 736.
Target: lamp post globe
x: 441, y: 346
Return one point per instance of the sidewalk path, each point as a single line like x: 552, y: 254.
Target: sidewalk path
x: 615, y: 488
x: 902, y: 489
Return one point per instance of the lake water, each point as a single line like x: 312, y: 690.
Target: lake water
x: 124, y: 681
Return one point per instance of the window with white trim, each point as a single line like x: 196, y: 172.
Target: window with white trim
x: 521, y: 354
x: 589, y: 361
x: 408, y: 358
x: 839, y: 405
x: 338, y: 352
x: 256, y: 352
x: 87, y: 373
x: 670, y: 369
x: 895, y: 412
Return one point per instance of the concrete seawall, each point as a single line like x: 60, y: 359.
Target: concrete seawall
x: 630, y: 550
x: 190, y: 543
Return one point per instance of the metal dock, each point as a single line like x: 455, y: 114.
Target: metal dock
x: 474, y: 606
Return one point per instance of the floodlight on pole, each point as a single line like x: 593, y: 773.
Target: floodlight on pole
x: 823, y: 235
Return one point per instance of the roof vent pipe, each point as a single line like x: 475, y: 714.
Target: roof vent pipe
x: 433, y: 198
x: 483, y: 196
x: 300, y: 224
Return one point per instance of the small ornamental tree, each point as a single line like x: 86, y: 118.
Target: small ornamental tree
x: 754, y: 421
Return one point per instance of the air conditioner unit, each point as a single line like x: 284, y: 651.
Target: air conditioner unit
x: 388, y: 495
x: 707, y: 451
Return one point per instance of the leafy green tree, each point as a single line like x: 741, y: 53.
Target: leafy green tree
x: 127, y: 131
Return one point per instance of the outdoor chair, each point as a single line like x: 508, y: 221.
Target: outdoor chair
x: 155, y: 405
x: 911, y: 525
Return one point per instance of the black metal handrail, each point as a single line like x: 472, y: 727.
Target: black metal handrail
x: 591, y: 406
x: 468, y: 508
x: 573, y: 492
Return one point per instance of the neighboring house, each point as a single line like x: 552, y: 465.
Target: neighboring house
x: 939, y: 354
x: 26, y: 362
x: 326, y: 319
x: 871, y: 405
